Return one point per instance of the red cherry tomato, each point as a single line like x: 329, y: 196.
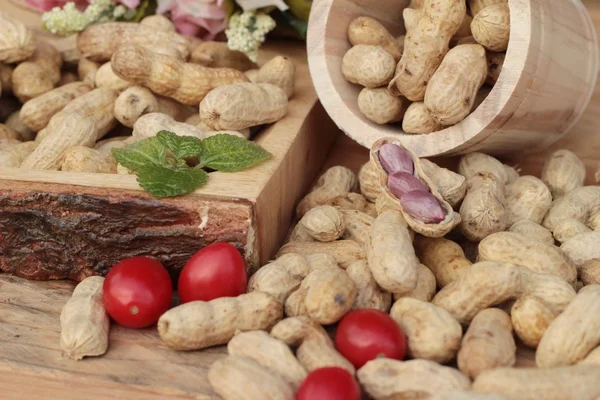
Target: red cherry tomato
x: 137, y: 291
x: 218, y: 270
x: 329, y: 383
x: 363, y: 335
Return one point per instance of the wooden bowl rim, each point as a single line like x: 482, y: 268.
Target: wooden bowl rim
x: 473, y: 129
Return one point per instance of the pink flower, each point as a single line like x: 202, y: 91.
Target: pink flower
x: 47, y: 5
x: 201, y: 18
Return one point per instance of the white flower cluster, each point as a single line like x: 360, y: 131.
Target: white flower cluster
x: 247, y: 31
x: 67, y: 20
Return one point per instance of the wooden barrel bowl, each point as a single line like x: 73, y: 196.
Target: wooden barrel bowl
x: 547, y: 81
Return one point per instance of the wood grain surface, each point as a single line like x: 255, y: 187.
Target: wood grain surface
x: 137, y: 365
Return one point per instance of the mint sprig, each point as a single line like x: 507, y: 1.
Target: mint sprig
x: 228, y: 153
x: 170, y: 165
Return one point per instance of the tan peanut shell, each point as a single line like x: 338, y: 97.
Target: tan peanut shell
x: 563, y: 172
x: 562, y: 383
x: 345, y: 252
x: 281, y: 277
x: 168, y: 76
x: 527, y: 198
x: 136, y: 101
x: 105, y: 145
x: 529, y: 253
x: 86, y: 69
x: 380, y: 378
x: 17, y: 42
x: 269, y: 352
x: 579, y: 204
x: 466, y: 40
x: 148, y: 125
x: 477, y: 5
x: 390, y: 253
x: 159, y: 22
x: 13, y: 156
x: 415, y: 4
x: 592, y: 358
x: 241, y: 378
x: 590, y: 272
x: 323, y: 223
x: 64, y: 132
x: 491, y: 27
x: 336, y: 181
x: 423, y: 52
x: 105, y: 77
x: 37, y: 112
x: 531, y: 317
x: 488, y: 343
x: 8, y: 133
x: 532, y: 230
x: 353, y: 201
x: 86, y: 159
x: 379, y: 106
x: 426, y: 286
x: 98, y: 42
x: 467, y: 395
x: 369, y: 31
x: 445, y: 258
x: 452, y: 186
x: 568, y: 228
x: 84, y: 323
x: 368, y: 180
x: 327, y: 295
x: 279, y: 71
x: 452, y: 89
x: 566, y: 383
x: 97, y: 105
x: 512, y: 173
x: 218, y: 55
x: 315, y: 347
x: 582, y: 247
x: 495, y: 63
x: 198, y: 324
x: 432, y: 230
x: 38, y: 74
x: 418, y: 121
x: 368, y: 66
x: 251, y: 74
x: 483, y: 210
x: 357, y: 225
x: 554, y: 291
x: 483, y: 285
x: 474, y: 163
x: 593, y: 221
x: 243, y: 105
x: 432, y: 333
x: 369, y: 294
x: 14, y: 122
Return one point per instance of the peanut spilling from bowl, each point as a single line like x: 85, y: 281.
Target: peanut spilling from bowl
x: 445, y: 65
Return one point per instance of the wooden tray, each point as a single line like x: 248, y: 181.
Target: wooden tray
x: 137, y: 365
x: 60, y: 224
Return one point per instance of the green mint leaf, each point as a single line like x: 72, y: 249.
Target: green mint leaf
x: 180, y: 146
x: 145, y: 154
x: 230, y: 153
x: 166, y: 181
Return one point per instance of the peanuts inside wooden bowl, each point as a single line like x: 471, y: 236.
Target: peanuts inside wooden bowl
x: 546, y: 83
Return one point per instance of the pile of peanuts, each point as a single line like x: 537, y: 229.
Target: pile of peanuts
x: 117, y: 83
x: 467, y: 263
x: 436, y: 74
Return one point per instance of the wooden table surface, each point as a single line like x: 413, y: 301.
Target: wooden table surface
x: 137, y: 365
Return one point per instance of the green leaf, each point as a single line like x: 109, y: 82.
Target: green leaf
x: 180, y: 146
x: 230, y: 153
x: 145, y: 154
x: 167, y: 181
x: 145, y: 8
